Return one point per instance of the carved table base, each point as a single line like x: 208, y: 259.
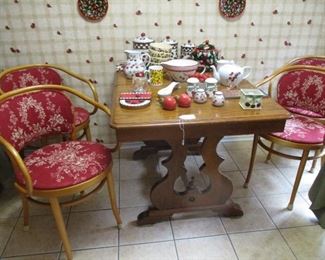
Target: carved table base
x: 215, y: 196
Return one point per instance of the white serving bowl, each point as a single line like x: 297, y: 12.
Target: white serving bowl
x: 180, y: 69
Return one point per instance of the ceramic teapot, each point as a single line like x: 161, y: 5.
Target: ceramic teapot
x: 230, y: 74
x: 136, y: 62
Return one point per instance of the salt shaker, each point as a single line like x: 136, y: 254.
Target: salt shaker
x: 200, y: 96
x: 192, y: 85
x: 218, y: 99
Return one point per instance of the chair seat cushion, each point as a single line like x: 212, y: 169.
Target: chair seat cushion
x: 303, y: 112
x: 81, y: 115
x: 65, y: 164
x: 302, y: 129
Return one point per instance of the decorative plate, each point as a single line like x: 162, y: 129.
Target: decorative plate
x: 134, y: 103
x: 231, y: 9
x: 93, y: 10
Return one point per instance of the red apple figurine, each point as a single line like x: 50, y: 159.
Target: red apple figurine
x: 184, y: 100
x: 169, y: 103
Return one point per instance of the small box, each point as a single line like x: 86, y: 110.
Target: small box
x: 251, y: 98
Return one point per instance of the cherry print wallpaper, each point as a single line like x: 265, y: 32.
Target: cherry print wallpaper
x: 266, y: 35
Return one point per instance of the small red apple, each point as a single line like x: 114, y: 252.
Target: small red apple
x: 169, y: 103
x: 184, y: 100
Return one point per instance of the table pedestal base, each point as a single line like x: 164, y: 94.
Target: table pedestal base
x: 213, y: 194
x: 153, y: 215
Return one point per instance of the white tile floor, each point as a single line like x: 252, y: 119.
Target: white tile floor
x: 266, y: 231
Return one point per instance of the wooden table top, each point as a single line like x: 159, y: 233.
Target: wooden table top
x: 155, y: 117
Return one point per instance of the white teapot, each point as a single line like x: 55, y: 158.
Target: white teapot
x: 230, y: 74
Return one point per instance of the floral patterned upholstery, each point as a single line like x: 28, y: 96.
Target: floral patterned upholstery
x: 303, y: 92
x: 69, y: 163
x: 29, y: 77
x: 81, y: 115
x: 30, y: 116
x: 301, y: 129
x: 38, y: 76
x: 313, y: 61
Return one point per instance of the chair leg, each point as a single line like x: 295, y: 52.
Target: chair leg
x: 112, y: 198
x: 313, y: 166
x: 56, y: 209
x: 251, y: 163
x: 268, y: 157
x: 300, y: 171
x: 88, y: 134
x: 25, y: 211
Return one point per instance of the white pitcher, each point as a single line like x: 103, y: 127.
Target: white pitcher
x: 136, y: 62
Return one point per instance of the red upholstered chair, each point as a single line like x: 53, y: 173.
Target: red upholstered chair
x: 56, y: 171
x: 312, y: 61
x: 301, y: 90
x: 39, y: 74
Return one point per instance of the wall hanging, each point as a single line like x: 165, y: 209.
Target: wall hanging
x: 93, y: 10
x: 231, y: 9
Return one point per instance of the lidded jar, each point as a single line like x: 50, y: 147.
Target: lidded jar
x: 187, y: 49
x: 200, y: 96
x: 206, y: 54
x: 218, y: 99
x: 142, y: 42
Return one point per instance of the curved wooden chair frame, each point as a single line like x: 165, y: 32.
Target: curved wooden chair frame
x: 81, y: 127
x: 305, y: 148
x: 80, y: 191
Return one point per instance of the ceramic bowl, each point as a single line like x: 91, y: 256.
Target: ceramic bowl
x: 159, y: 60
x: 180, y: 69
x: 160, y: 46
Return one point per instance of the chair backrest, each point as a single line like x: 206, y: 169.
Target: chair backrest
x: 29, y: 116
x: 26, y: 77
x: 303, y: 92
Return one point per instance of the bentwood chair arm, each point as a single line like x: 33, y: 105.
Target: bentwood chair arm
x: 307, y: 57
x: 288, y: 68
x: 18, y: 162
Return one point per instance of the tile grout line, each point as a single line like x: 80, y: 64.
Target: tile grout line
x: 12, y: 231
x: 174, y: 240
x: 119, y: 202
x: 277, y: 228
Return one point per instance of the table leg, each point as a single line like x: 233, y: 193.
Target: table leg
x: 166, y: 201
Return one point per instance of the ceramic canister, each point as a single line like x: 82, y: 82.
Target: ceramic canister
x: 218, y: 99
x: 174, y: 45
x: 142, y: 42
x: 187, y: 49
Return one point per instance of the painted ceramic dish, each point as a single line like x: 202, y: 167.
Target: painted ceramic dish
x: 134, y: 103
x: 93, y: 10
x: 231, y: 9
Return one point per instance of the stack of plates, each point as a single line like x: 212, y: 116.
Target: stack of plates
x: 160, y: 52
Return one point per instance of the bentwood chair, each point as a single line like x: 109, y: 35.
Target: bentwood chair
x: 313, y: 61
x: 72, y: 170
x: 38, y: 74
x: 301, y: 90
